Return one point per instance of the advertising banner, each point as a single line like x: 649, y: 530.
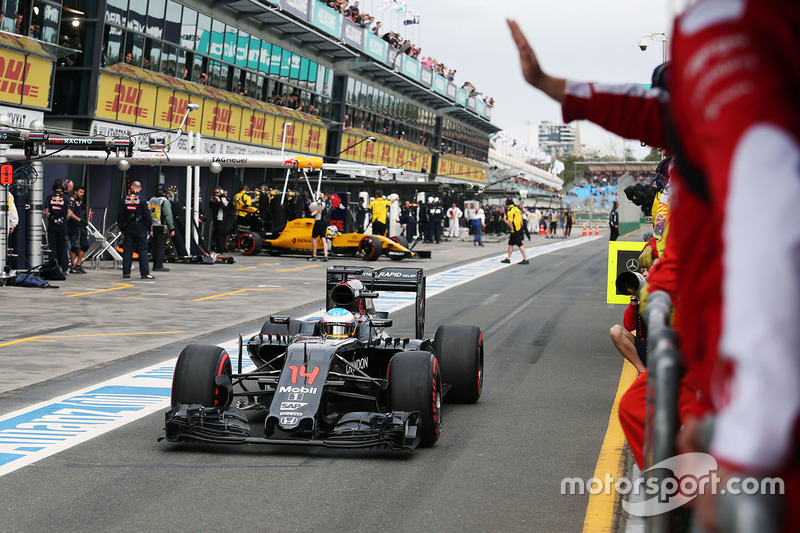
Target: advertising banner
x: 315, y: 138
x: 461, y: 168
x: 25, y: 80
x: 121, y: 99
x: 452, y: 91
x: 325, y: 18
x: 20, y: 118
x: 461, y: 97
x: 426, y: 77
x: 376, y: 47
x: 298, y: 8
x: 440, y: 84
x: 411, y: 67
x: 234, y: 123
x: 480, y: 107
x: 353, y: 34
x: 471, y: 103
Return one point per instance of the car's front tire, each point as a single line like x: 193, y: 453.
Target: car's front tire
x: 370, y: 248
x: 202, y: 376
x: 460, y: 352
x: 415, y: 384
x: 249, y: 243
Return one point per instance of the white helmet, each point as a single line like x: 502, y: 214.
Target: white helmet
x: 338, y: 322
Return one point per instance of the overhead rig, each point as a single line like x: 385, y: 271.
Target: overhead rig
x: 34, y: 146
x: 36, y: 143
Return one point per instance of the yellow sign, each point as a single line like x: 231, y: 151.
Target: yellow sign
x: 25, y: 80
x: 622, y: 256
x: 124, y: 100
x: 461, y: 168
x: 235, y: 123
x: 315, y: 138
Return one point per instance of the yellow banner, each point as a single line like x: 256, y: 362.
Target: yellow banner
x: 122, y: 99
x: 24, y: 79
x: 261, y: 128
x: 106, y: 97
x: 291, y: 135
x: 461, y: 168
x: 383, y: 153
x: 245, y: 131
x: 171, y: 108
x: 235, y: 123
x: 351, y: 147
x: 217, y: 120
x: 315, y: 138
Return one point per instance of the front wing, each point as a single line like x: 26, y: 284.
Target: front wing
x: 397, y: 430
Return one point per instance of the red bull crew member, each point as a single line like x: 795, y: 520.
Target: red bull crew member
x: 135, y: 222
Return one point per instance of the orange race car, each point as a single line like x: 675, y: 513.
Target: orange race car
x: 296, y: 238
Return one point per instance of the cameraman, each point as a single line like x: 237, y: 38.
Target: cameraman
x: 630, y: 339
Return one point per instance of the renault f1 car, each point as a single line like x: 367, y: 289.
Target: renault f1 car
x: 337, y: 381
x: 296, y: 238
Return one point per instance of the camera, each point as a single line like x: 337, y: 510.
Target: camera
x: 630, y: 283
x: 642, y: 196
x: 643, y: 45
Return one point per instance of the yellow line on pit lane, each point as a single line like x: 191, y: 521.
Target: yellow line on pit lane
x: 234, y: 292
x: 600, y: 509
x: 245, y: 268
x: 42, y: 338
x: 121, y: 286
x: 298, y: 268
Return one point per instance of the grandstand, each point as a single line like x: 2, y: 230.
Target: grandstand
x: 596, y: 192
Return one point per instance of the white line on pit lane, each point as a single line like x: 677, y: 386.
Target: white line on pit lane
x: 54, y: 425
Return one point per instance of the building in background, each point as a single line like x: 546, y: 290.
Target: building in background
x: 265, y: 75
x: 559, y: 140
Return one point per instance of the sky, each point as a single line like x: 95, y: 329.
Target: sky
x: 586, y: 40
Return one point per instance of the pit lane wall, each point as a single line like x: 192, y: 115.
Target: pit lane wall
x: 140, y: 97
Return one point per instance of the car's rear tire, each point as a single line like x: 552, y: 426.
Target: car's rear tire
x: 292, y: 328
x: 459, y: 349
x: 249, y: 243
x: 415, y: 384
x: 370, y: 248
x: 195, y: 380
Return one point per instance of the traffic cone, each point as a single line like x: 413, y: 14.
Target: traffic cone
x: 585, y: 233
x: 597, y: 230
x: 542, y: 232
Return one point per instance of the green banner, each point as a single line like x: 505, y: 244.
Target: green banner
x: 376, y: 47
x: 411, y: 67
x: 440, y: 84
x: 461, y: 97
x: 326, y: 19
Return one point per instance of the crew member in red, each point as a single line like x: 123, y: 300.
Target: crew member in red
x: 734, y: 123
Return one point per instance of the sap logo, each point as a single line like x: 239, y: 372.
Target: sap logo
x: 292, y: 405
x: 289, y: 421
x: 304, y: 390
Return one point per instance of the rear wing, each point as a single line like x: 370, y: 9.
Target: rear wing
x: 383, y: 279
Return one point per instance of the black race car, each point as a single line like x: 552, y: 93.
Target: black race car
x: 363, y: 389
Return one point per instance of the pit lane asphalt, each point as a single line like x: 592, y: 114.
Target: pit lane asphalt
x: 551, y: 374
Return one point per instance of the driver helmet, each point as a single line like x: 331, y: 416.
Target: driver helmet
x: 338, y: 322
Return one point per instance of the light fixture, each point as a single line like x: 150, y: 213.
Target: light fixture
x: 76, y: 23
